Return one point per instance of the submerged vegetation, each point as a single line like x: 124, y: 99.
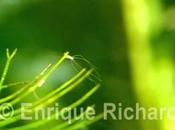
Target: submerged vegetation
x: 28, y: 88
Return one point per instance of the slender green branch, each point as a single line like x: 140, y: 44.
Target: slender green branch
x: 14, y: 84
x: 52, y: 98
x: 59, y: 92
x: 6, y: 68
x: 26, y: 87
x: 43, y: 100
x: 39, y: 123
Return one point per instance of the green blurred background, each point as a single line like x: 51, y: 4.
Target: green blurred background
x: 131, y: 42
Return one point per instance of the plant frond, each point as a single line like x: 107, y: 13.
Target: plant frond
x: 28, y: 87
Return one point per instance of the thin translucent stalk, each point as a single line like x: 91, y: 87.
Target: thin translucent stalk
x: 49, y: 96
x: 37, y: 83
x: 52, y: 99
x: 39, y: 123
x: 59, y: 95
x: 13, y: 84
x: 65, y: 91
x: 10, y: 97
x: 7, y: 65
x: 66, y: 84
